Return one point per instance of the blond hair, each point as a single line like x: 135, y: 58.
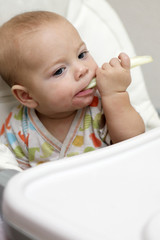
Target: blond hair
x: 11, y: 45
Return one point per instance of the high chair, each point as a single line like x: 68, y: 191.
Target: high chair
x: 112, y: 193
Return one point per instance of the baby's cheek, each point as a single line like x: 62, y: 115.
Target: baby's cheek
x: 93, y: 65
x: 97, y: 72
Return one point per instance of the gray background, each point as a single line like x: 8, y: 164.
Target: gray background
x: 141, y: 19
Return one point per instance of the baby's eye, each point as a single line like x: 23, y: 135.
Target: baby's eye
x: 82, y: 55
x: 59, y: 71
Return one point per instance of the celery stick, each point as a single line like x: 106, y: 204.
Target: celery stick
x: 92, y: 84
x: 140, y: 60
x: 135, y: 61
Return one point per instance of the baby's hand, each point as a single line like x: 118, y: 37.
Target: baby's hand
x: 114, y: 77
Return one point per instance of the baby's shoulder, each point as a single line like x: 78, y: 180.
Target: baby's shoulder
x: 17, y: 114
x: 18, y: 111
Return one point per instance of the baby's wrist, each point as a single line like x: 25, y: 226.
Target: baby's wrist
x: 117, y: 100
x: 113, y: 95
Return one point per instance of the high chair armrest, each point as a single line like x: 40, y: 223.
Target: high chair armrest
x: 5, y: 176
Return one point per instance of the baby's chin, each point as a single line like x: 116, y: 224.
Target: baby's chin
x: 78, y: 104
x: 83, y: 100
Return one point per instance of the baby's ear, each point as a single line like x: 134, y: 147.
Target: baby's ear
x: 22, y: 95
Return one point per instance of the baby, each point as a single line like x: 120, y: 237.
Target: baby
x: 48, y: 66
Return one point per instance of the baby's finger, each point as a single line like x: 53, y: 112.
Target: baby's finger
x: 105, y: 66
x: 114, y: 62
x: 125, y: 60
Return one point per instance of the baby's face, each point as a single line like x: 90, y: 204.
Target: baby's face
x: 61, y: 68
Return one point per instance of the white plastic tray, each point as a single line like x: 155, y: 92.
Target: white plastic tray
x: 109, y: 194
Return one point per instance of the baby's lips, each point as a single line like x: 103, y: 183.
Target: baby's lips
x: 135, y: 61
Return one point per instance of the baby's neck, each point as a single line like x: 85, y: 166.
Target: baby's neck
x: 58, y: 126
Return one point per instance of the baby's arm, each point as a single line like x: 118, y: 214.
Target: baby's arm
x: 122, y: 120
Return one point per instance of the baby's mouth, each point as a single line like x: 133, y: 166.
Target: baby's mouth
x: 88, y: 89
x: 84, y: 92
x: 92, y: 84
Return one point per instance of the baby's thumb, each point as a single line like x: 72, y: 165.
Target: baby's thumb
x: 125, y: 60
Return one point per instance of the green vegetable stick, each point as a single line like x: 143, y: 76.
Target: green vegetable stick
x: 135, y: 61
x: 140, y: 60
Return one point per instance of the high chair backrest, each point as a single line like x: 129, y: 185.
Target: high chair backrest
x: 105, y: 36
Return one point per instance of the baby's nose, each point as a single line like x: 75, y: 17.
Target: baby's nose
x: 81, y: 71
